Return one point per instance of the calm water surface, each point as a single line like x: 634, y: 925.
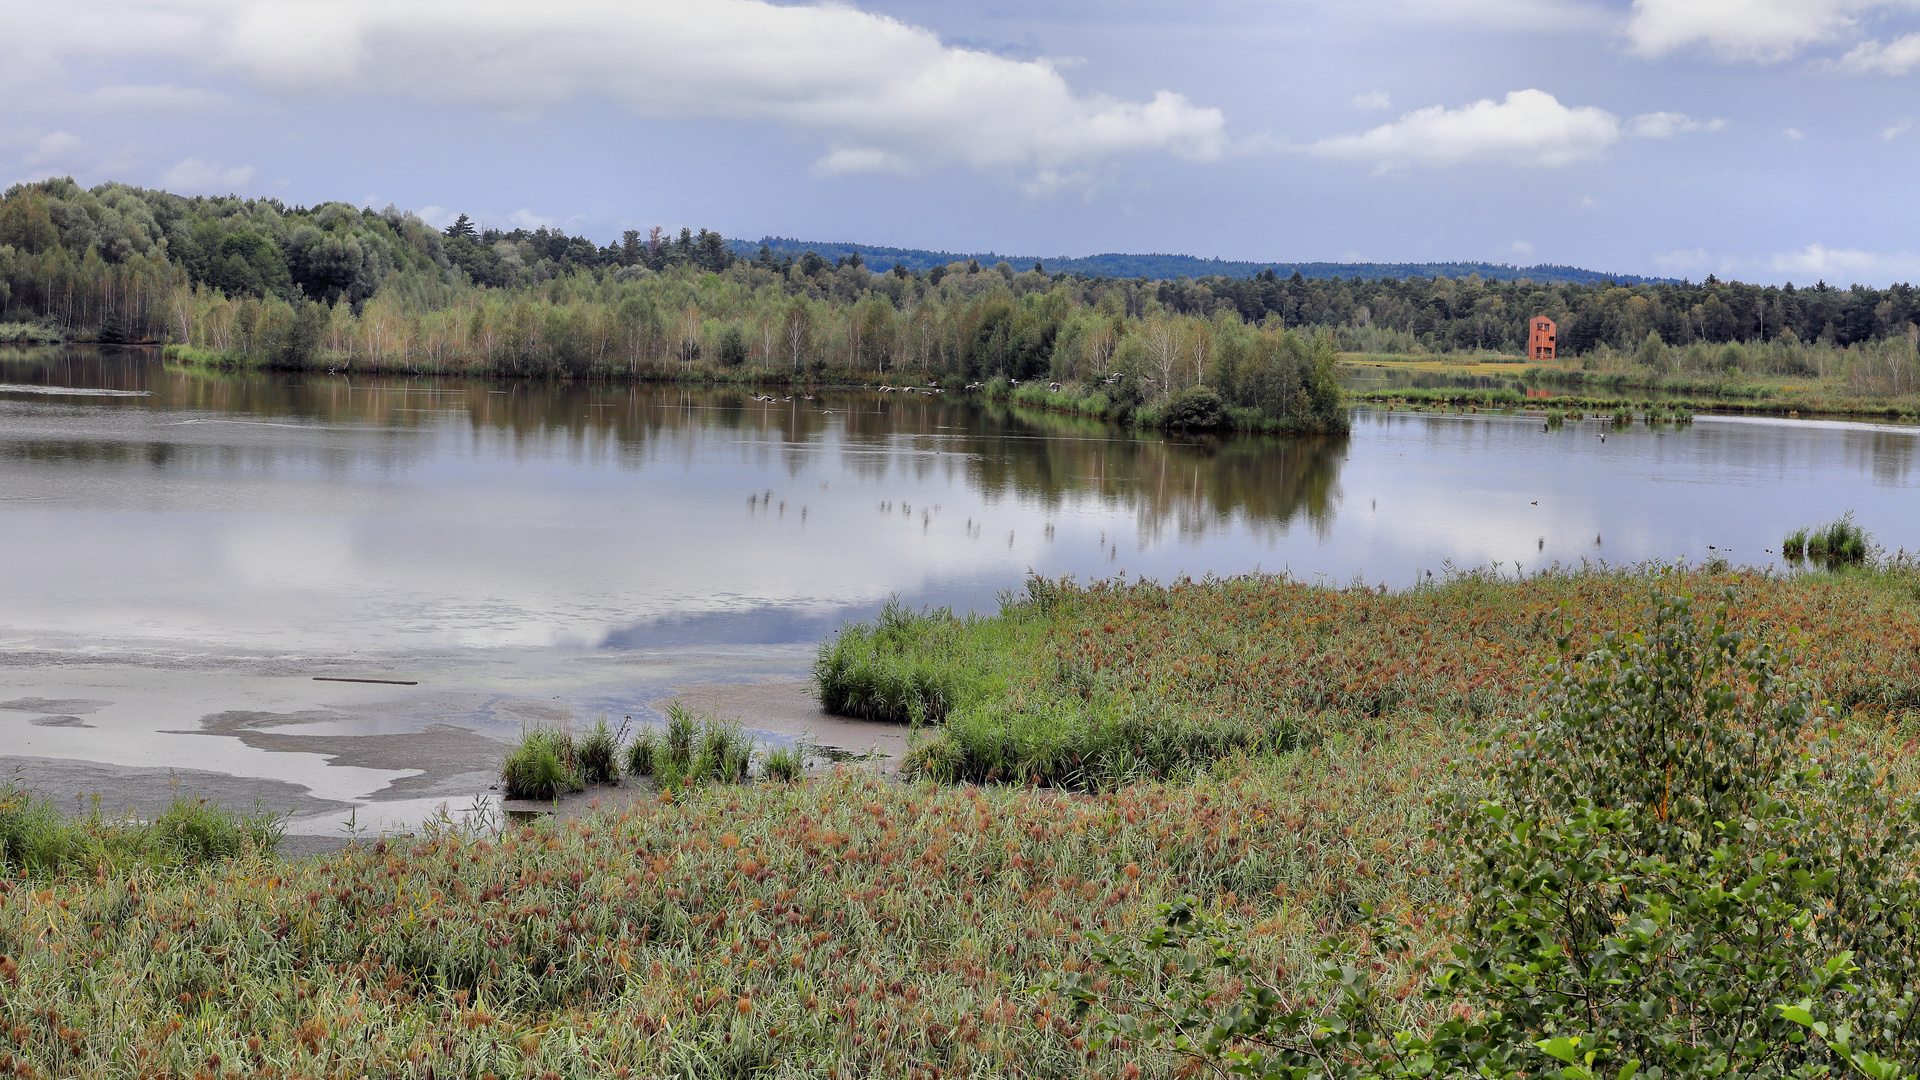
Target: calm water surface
x: 184, y: 550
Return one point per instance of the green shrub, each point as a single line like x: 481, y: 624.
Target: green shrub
x: 544, y: 765
x: 18, y: 333
x: 1794, y: 545
x: 1656, y: 877
x: 1194, y: 408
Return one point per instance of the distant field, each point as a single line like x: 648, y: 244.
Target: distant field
x: 1842, y: 394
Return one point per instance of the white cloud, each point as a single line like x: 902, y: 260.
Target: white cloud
x: 1665, y: 125
x: 1898, y: 129
x: 844, y: 160
x: 197, y: 176
x: 55, y: 151
x: 1794, y: 133
x: 1378, y: 99
x: 1521, y: 247
x: 1897, y: 57
x: 882, y: 92
x: 437, y: 216
x: 1838, y: 266
x: 1760, y: 30
x: 163, y: 98
x: 1530, y: 127
x: 1847, y: 265
x: 1513, y: 14
x: 527, y: 219
x: 1817, y: 259
x: 1685, y: 261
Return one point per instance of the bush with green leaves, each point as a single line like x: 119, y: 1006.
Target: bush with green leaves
x: 1661, y: 876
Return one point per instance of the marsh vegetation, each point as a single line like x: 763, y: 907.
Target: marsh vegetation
x: 1271, y: 749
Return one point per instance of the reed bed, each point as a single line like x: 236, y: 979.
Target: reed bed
x: 841, y: 927
x: 1088, y: 686
x: 853, y: 926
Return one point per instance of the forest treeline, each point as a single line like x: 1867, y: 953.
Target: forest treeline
x: 333, y: 286
x: 1163, y: 267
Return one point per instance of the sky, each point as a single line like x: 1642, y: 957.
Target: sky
x: 1763, y: 140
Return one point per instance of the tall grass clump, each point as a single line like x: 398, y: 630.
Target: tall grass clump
x: 691, y: 750
x: 783, y: 763
x: 1838, y: 543
x: 725, y: 752
x: 196, y: 830
x: 38, y: 840
x: 905, y: 666
x: 33, y: 835
x: 642, y: 752
x: 598, y: 752
x: 544, y: 765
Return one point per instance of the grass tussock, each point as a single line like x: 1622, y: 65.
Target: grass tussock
x: 1836, y: 544
x: 1089, y: 686
x: 545, y: 764
x: 906, y: 666
x: 37, y: 840
x: 692, y: 749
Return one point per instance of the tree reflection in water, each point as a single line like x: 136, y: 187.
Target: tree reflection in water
x: 1184, y: 484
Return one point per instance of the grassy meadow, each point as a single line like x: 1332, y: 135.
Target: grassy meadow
x: 1269, y: 747
x: 1865, y: 382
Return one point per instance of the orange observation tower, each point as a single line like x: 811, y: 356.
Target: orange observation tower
x: 1540, y: 339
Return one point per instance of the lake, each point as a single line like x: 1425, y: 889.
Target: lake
x: 187, y: 550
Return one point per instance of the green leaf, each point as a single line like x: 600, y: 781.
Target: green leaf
x: 1564, y: 1049
x: 1797, y: 1013
x: 1874, y: 1066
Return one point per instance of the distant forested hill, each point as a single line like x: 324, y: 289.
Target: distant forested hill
x: 1171, y: 267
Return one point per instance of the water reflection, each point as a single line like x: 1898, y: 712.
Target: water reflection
x: 1182, y: 485
x: 258, y: 510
